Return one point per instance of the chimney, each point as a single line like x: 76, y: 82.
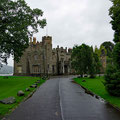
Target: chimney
x: 34, y: 40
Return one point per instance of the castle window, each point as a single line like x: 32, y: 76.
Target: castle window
x: 48, y: 66
x: 53, y: 69
x: 62, y: 59
x: 61, y: 51
x: 35, y: 57
x: 19, y: 69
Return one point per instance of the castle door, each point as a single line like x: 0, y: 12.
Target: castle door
x: 53, y: 69
x: 66, y: 69
x: 36, y: 69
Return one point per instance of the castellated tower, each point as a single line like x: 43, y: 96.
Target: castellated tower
x: 40, y: 59
x: 47, y: 52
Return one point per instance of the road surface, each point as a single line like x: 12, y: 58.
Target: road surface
x: 60, y: 99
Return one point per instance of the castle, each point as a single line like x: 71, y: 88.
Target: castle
x: 41, y: 59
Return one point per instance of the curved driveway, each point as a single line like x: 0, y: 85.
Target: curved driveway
x: 60, y: 99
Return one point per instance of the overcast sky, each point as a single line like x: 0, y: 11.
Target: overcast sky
x: 73, y: 22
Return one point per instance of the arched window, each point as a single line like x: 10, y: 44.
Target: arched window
x: 35, y: 57
x: 19, y: 69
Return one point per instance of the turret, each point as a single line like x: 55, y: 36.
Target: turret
x: 34, y: 40
x: 47, y: 40
x: 69, y: 50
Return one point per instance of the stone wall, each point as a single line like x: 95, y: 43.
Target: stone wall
x: 40, y: 58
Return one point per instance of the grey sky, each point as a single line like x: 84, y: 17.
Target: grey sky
x: 73, y: 22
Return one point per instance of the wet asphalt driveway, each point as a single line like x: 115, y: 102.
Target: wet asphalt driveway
x: 60, y: 99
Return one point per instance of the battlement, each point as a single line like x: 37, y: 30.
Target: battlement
x: 33, y: 40
x: 62, y: 50
x: 48, y: 40
x: 45, y: 40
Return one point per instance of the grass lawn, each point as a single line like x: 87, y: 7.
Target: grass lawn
x: 96, y: 86
x: 10, y: 86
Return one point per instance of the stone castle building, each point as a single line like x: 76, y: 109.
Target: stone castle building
x: 40, y: 59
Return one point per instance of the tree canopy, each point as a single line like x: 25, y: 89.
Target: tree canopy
x: 18, y: 22
x: 109, y: 47
x: 114, y: 13
x: 84, y: 60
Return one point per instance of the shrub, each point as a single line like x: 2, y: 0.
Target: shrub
x: 112, y: 80
x: 116, y: 55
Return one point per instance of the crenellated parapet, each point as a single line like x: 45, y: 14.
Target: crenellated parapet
x: 62, y: 50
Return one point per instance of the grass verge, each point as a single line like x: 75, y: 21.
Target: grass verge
x: 96, y: 86
x: 10, y: 86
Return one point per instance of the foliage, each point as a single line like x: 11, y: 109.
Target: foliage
x: 18, y: 22
x: 109, y: 48
x: 116, y: 55
x: 114, y: 13
x: 103, y: 51
x: 97, y: 51
x: 112, y: 80
x: 109, y: 60
x: 84, y: 60
x: 100, y: 52
x: 112, y: 76
x: 97, y: 63
x: 96, y: 86
x: 91, y: 64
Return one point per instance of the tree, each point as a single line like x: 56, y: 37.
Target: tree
x: 97, y: 63
x: 114, y: 13
x: 82, y: 60
x: 101, y: 53
x: 112, y: 76
x: 109, y: 48
x: 18, y: 22
x: 112, y: 80
x: 116, y: 55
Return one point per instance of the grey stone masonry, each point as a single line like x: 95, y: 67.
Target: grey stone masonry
x: 41, y: 59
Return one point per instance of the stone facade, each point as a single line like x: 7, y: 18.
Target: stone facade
x: 40, y: 59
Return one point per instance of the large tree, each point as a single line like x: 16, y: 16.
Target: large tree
x: 83, y: 60
x: 112, y: 76
x: 18, y: 22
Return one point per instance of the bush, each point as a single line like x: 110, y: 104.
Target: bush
x: 116, y: 55
x: 112, y: 80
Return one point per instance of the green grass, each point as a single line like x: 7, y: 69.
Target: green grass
x: 10, y: 86
x: 96, y: 86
